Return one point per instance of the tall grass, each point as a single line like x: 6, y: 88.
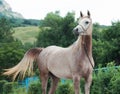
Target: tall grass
x: 20, y: 90
x: 26, y: 34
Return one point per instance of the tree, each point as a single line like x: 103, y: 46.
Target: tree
x: 68, y: 24
x: 56, y: 30
x: 106, y: 44
x: 10, y: 55
x: 52, y: 20
x: 6, y: 30
x: 97, y: 31
x: 11, y: 51
x: 99, y: 50
x: 112, y: 35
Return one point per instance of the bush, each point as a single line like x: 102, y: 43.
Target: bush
x: 35, y: 88
x: 20, y: 90
x: 115, y: 88
x: 106, y: 80
x: 115, y: 82
x: 2, y: 82
x: 65, y: 89
x: 8, y: 87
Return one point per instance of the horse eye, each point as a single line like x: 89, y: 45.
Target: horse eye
x: 86, y: 22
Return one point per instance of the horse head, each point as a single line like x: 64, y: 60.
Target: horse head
x: 84, y: 26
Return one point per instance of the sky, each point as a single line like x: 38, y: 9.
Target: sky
x: 102, y: 11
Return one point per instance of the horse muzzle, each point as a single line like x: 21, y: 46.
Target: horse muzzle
x: 78, y: 30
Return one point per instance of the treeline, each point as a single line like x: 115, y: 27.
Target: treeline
x: 19, y: 22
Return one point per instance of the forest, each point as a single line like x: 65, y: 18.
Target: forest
x: 57, y: 30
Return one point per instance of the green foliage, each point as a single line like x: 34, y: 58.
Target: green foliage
x: 19, y: 90
x: 16, y: 22
x: 65, y: 89
x: 24, y: 22
x: 106, y: 44
x: 105, y: 80
x: 97, y: 31
x: 52, y: 20
x: 112, y: 35
x: 11, y: 88
x: 8, y: 87
x: 67, y: 36
x: 10, y: 55
x: 115, y: 85
x: 11, y: 51
x: 6, y: 30
x: 35, y: 88
x: 31, y: 22
x: 100, y: 52
x: 57, y: 30
x: 2, y: 82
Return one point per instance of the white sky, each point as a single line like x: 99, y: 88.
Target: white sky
x: 102, y: 11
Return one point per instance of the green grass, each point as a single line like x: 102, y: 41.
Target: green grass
x: 21, y: 90
x: 26, y: 34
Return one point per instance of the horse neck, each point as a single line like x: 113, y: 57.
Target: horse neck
x: 82, y: 41
x: 86, y: 41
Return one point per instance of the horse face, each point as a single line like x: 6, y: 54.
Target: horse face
x: 83, y: 26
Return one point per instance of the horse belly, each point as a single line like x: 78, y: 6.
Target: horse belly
x: 60, y: 70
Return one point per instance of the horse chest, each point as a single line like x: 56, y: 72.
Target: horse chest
x: 81, y: 67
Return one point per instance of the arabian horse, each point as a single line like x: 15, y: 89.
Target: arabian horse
x: 56, y: 62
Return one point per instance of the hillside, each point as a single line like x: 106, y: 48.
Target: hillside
x: 26, y: 34
x: 6, y: 11
x: 16, y: 19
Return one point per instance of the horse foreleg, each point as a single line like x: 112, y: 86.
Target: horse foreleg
x: 76, y: 82
x: 44, y: 79
x: 88, y: 82
x: 54, y: 83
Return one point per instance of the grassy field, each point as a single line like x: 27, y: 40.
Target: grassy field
x: 26, y: 34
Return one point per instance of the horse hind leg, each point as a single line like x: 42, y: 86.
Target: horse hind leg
x: 54, y: 84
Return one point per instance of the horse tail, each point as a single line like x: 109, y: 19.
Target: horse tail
x: 25, y: 66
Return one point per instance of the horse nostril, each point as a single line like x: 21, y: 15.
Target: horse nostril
x: 75, y: 31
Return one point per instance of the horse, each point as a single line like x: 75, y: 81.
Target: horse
x: 72, y: 62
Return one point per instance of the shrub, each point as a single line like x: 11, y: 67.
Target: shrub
x: 65, y: 89
x: 2, y: 82
x: 35, y: 88
x: 20, y: 90
x: 8, y: 87
x: 106, y: 80
x: 115, y: 88
x: 82, y: 86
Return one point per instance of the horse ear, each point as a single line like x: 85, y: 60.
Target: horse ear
x: 81, y: 15
x: 88, y: 13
